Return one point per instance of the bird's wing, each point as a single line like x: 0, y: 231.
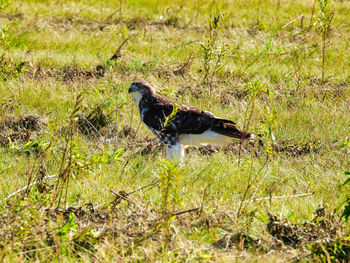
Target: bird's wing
x: 175, y: 118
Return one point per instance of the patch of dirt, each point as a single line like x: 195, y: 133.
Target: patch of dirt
x: 238, y: 240
x: 8, y: 106
x: 92, y: 120
x: 321, y: 237
x: 128, y: 131
x: 68, y: 73
x: 76, y: 22
x: 208, y: 149
x: 256, y: 148
x: 139, y: 22
x: 73, y: 22
x: 71, y: 73
x: 12, y: 16
x: 338, y: 90
x: 234, y: 147
x: 296, y: 150
x: 91, y: 225
x: 151, y: 146
x: 85, y: 214
x: 179, y: 70
x: 324, y: 227
x: 194, y: 91
x: 21, y: 128
x: 237, y: 94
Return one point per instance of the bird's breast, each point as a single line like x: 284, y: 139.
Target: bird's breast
x: 137, y: 97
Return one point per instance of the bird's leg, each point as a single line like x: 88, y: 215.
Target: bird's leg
x: 175, y: 152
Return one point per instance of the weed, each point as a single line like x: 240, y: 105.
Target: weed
x: 73, y: 161
x: 8, y: 68
x: 346, y: 212
x: 91, y: 120
x: 337, y: 250
x: 324, y: 27
x: 171, y: 116
x: 21, y: 129
x: 4, y: 4
x: 169, y: 179
x: 212, y: 54
x: 67, y: 227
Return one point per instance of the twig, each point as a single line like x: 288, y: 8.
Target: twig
x: 181, y: 70
x: 143, y: 187
x: 186, y: 211
x: 1, y: 172
x: 124, y: 197
x: 100, y: 69
x: 312, y: 13
x: 123, y: 169
x: 111, y: 15
x: 131, y: 115
x: 279, y: 197
x: 27, y: 186
x: 250, y: 183
x: 183, y: 44
x: 298, y: 258
x: 118, y: 54
x: 257, y: 188
x: 245, y: 128
x: 292, y: 21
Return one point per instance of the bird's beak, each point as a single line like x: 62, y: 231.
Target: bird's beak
x: 132, y: 88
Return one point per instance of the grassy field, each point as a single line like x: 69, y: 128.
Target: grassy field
x: 94, y: 183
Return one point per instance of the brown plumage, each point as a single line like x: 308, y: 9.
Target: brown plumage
x: 178, y: 124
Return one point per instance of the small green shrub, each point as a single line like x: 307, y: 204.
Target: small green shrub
x: 212, y: 53
x: 9, y: 68
x: 324, y: 27
x: 346, y: 212
x: 4, y: 4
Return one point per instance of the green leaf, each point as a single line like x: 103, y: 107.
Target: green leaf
x: 348, y: 180
x: 346, y: 212
x: 68, y: 226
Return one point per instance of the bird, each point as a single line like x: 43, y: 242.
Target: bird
x: 179, y: 125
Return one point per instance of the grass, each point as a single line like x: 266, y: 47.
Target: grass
x: 303, y: 117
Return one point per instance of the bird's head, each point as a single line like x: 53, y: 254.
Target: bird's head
x: 141, y: 87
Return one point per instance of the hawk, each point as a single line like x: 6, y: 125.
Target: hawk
x: 179, y: 125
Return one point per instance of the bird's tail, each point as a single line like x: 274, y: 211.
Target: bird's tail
x: 228, y: 128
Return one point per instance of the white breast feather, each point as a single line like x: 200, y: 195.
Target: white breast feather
x: 137, y: 97
x: 207, y: 137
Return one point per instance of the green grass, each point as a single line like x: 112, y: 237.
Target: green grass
x: 307, y: 118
